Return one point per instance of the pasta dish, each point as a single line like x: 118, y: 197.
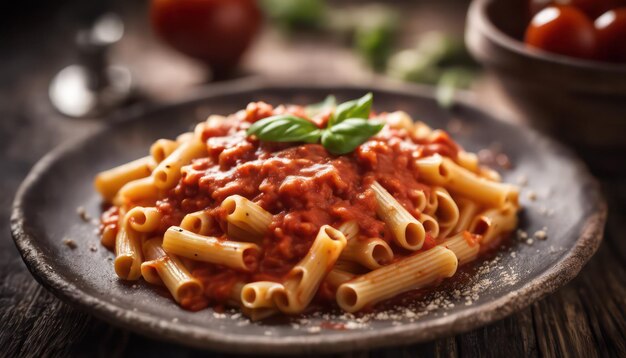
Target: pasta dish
x: 289, y: 208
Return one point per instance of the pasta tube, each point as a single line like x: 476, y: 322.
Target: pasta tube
x: 168, y: 270
x: 400, y: 120
x: 137, y: 191
x: 336, y: 277
x: 492, y: 223
x: 109, y: 182
x: 467, y: 212
x: 464, y: 246
x: 468, y: 161
x: 167, y: 173
x: 431, y: 204
x: 421, y: 130
x: 128, y: 255
x: 143, y: 219
x: 419, y: 199
x: 438, y: 170
x: 110, y: 232
x: 447, y: 213
x: 162, y: 149
x: 430, y: 225
x: 238, y: 255
x: 417, y: 271
x: 408, y: 232
x: 198, y: 222
x: 371, y: 253
x: 259, y: 294
x: 303, y: 280
x: 258, y: 314
x: 350, y: 266
x: 350, y: 229
x: 185, y: 137
x: 247, y: 221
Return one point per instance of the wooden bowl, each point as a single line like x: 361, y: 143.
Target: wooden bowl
x: 579, y: 101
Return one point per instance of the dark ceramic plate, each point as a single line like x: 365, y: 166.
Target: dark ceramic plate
x: 568, y: 203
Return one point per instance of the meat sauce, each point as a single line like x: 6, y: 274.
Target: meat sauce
x: 302, y: 185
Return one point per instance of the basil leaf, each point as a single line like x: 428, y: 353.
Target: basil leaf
x: 344, y: 137
x: 358, y: 108
x: 313, y: 110
x: 285, y: 128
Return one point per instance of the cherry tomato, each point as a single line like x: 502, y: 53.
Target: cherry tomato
x: 214, y: 31
x: 593, y: 8
x: 611, y: 34
x: 564, y: 30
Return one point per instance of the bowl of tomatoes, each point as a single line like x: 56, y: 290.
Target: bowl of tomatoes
x: 562, y: 65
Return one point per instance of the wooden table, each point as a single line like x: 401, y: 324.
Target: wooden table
x: 586, y: 318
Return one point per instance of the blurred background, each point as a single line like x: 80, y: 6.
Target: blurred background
x: 351, y: 41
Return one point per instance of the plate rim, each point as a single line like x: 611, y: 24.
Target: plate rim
x: 149, y: 325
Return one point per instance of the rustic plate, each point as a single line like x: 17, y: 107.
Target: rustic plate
x: 567, y: 204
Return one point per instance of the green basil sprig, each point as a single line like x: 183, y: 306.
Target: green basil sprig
x: 329, y: 103
x: 344, y: 137
x: 285, y: 128
x: 358, y: 108
x: 348, y: 126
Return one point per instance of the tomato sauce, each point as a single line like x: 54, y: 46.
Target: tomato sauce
x: 302, y: 185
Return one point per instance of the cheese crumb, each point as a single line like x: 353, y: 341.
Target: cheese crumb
x: 83, y: 214
x: 540, y: 235
x: 70, y: 243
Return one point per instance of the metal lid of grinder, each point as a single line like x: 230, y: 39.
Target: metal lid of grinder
x: 92, y: 87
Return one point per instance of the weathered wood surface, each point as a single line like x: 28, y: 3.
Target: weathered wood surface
x: 587, y: 318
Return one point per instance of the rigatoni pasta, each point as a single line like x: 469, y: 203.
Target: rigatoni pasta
x: 199, y: 222
x: 260, y: 294
x: 369, y: 252
x: 235, y: 254
x: 247, y: 221
x: 223, y: 216
x: 167, y: 173
x: 161, y: 268
x: 109, y: 182
x: 303, y: 280
x: 414, y: 272
x: 128, y: 254
x: 408, y: 232
x: 438, y: 170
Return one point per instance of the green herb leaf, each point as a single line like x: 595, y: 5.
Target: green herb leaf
x: 349, y: 128
x: 344, y: 137
x: 375, y: 30
x: 285, y: 128
x: 314, y: 109
x: 292, y: 15
x: 358, y: 108
x: 452, y: 80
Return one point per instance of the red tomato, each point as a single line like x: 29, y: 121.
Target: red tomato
x: 214, y: 31
x: 593, y: 8
x: 611, y: 34
x: 564, y: 30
